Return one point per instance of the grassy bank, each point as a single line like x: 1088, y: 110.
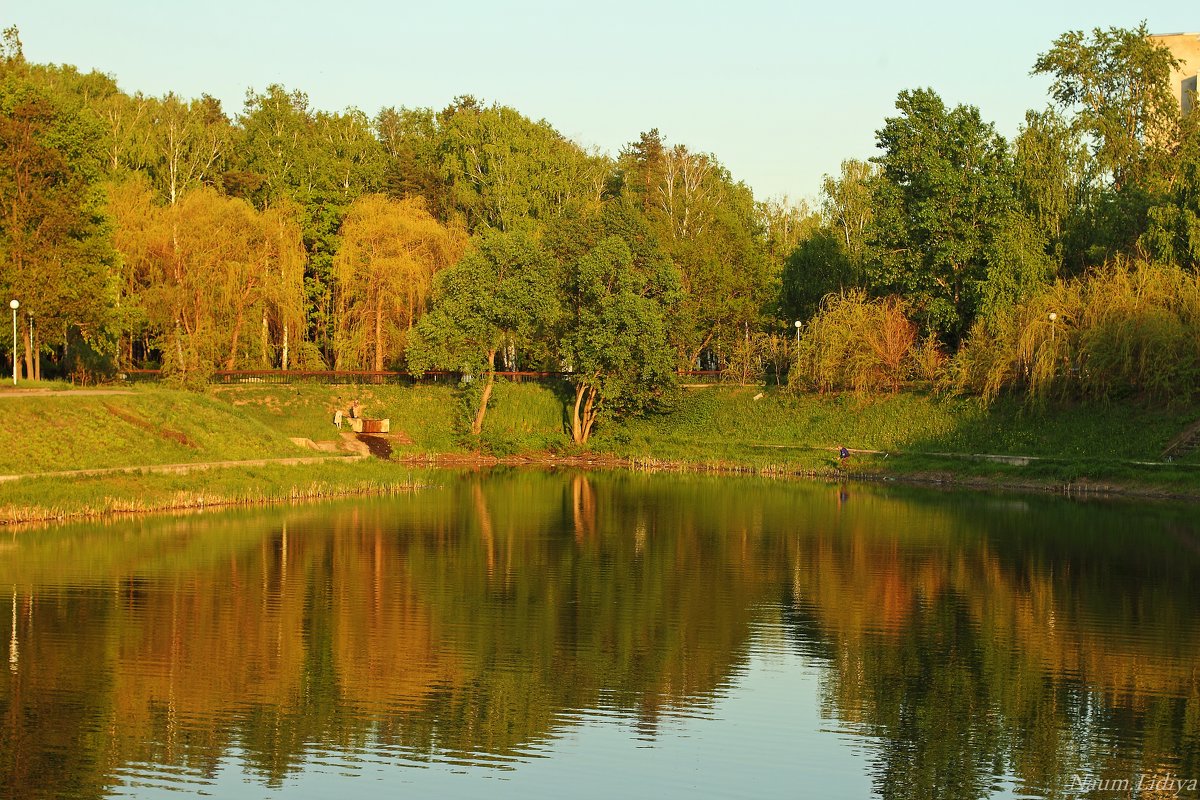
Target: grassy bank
x: 426, y: 419
x: 42, y: 499
x: 138, y: 427
x: 915, y: 436
x: 749, y: 428
x: 916, y: 431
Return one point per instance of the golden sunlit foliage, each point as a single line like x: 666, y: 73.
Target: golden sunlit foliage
x: 214, y: 282
x: 1129, y: 328
x: 390, y: 251
x: 861, y: 344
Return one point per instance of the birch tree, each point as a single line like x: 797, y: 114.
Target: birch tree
x: 189, y: 141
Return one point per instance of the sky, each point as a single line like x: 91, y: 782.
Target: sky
x: 780, y: 92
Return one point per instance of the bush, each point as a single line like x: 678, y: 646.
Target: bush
x: 1125, y: 329
x: 861, y: 344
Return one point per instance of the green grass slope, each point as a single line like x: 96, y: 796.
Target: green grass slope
x: 425, y: 419
x: 721, y: 427
x: 150, y: 425
x: 901, y: 422
x: 920, y: 432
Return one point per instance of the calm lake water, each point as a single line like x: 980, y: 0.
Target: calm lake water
x: 533, y: 634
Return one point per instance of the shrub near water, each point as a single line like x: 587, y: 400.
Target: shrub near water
x: 1124, y: 330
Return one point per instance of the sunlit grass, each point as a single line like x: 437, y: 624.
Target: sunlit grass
x: 150, y: 425
x: 718, y: 428
x: 34, y: 499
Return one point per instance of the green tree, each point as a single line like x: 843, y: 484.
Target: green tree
x: 784, y: 224
x: 409, y: 138
x: 286, y: 152
x: 1173, y: 231
x: 817, y: 266
x: 1053, y: 182
x: 188, y: 144
x: 942, y: 207
x: 55, y: 248
x: 711, y: 228
x: 1116, y: 83
x: 847, y: 206
x: 504, y: 172
x: 615, y: 338
x: 501, y: 293
x: 830, y: 256
x: 130, y: 131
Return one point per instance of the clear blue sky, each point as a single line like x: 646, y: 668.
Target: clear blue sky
x: 778, y: 91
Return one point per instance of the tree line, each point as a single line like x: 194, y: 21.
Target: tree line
x: 162, y: 232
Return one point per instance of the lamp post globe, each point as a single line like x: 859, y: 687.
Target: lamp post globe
x: 798, y: 324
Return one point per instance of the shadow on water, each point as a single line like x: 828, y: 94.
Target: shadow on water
x: 965, y: 641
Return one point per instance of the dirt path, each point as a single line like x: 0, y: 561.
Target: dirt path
x: 180, y: 469
x: 60, y: 392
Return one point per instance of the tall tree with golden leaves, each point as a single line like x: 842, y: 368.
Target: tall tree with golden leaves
x: 390, y: 251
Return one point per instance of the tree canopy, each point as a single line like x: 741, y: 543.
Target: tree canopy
x: 167, y: 232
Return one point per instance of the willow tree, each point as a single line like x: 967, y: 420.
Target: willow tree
x: 269, y: 283
x: 390, y: 251
x: 212, y: 281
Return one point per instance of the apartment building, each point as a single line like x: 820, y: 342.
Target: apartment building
x: 1186, y: 48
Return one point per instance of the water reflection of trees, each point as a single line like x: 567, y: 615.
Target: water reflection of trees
x: 965, y: 639
x: 468, y: 623
x: 1044, y: 646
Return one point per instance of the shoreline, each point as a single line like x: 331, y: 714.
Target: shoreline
x: 920, y: 478
x: 68, y: 456
x: 13, y: 516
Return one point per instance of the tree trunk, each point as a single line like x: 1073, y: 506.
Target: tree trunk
x: 589, y: 414
x: 266, y: 336
x: 379, y: 336
x: 477, y: 425
x: 182, y: 366
x: 27, y: 342
x: 237, y: 332
x: 576, y: 428
x: 583, y: 415
x: 284, y: 363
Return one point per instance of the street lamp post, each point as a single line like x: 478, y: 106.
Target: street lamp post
x: 14, y: 305
x: 799, y: 324
x: 1053, y: 316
